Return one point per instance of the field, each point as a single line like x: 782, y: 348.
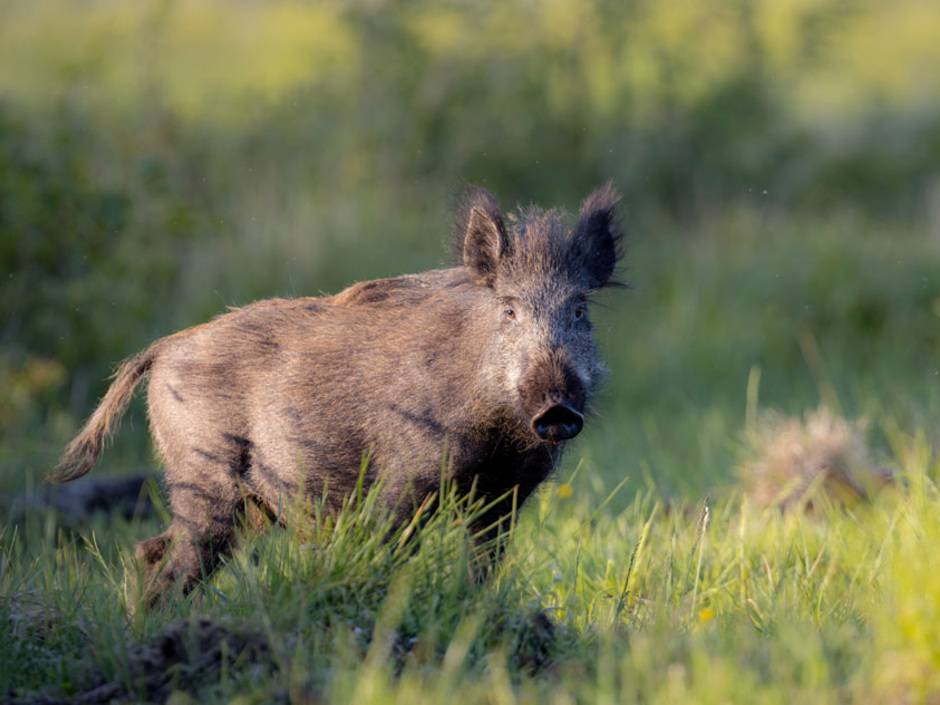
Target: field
x: 161, y: 161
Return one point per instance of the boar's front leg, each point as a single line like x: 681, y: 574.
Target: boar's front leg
x: 491, y: 530
x: 491, y: 534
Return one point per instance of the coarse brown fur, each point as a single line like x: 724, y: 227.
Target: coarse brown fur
x: 485, y: 368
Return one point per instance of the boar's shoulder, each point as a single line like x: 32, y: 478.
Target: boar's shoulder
x: 407, y: 290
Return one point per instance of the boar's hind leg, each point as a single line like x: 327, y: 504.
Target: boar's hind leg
x: 205, y: 512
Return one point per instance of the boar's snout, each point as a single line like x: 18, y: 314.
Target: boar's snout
x: 557, y: 422
x: 553, y: 395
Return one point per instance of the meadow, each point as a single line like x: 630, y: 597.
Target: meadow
x: 781, y: 170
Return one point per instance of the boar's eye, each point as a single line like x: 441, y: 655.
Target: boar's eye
x: 579, y: 312
x: 509, y: 308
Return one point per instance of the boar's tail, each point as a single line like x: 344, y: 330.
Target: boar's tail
x: 82, y: 453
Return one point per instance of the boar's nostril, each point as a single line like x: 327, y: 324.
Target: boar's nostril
x: 558, y: 422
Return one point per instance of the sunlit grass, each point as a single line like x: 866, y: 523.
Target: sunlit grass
x: 210, y: 153
x: 713, y: 601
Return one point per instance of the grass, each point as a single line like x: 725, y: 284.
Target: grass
x: 664, y: 580
x: 161, y: 161
x: 717, y: 601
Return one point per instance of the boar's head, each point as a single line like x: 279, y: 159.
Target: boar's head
x: 539, y: 272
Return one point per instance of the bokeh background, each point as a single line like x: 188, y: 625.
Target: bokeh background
x: 161, y: 160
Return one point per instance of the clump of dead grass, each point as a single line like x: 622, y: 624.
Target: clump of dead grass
x: 791, y: 462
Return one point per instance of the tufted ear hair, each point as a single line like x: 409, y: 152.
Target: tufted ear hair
x: 597, y: 240
x: 481, y: 234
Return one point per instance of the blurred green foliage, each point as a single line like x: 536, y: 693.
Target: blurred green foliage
x: 84, y: 267
x: 160, y: 160
x: 780, y: 159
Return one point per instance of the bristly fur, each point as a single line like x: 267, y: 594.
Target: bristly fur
x: 600, y: 212
x: 484, y: 370
x: 470, y: 196
x: 541, y: 238
x: 480, y: 236
x: 82, y: 453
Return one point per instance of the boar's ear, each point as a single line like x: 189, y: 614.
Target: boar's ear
x: 597, y: 241
x: 481, y: 234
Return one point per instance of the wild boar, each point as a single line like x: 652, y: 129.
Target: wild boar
x: 485, y: 368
